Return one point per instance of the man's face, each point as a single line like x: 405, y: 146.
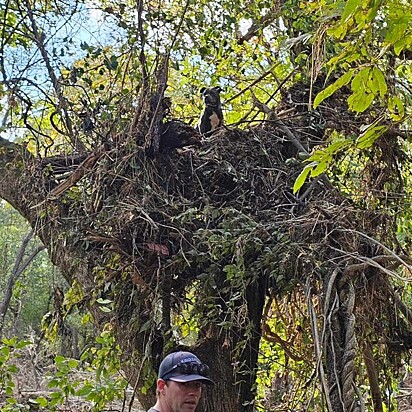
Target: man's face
x: 179, y: 396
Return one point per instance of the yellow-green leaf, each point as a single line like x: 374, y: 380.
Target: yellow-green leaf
x: 360, y: 81
x: 73, y: 363
x: 396, y: 30
x: 404, y: 43
x: 369, y: 136
x: 377, y: 82
x: 396, y: 108
x: 42, y: 401
x: 321, y: 167
x: 350, y: 9
x: 337, y: 145
x: 324, y: 94
x: 359, y: 102
x: 302, y: 176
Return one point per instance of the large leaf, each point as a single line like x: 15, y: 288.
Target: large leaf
x: 303, y: 176
x: 368, y: 138
x: 350, y: 8
x: 324, y: 94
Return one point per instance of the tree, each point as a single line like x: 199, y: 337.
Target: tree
x: 20, y: 266
x: 201, y: 248
x: 26, y: 275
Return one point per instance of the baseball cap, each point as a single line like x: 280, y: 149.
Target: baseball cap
x: 183, y: 367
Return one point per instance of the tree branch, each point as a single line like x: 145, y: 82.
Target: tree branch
x: 373, y: 378
x: 62, y: 107
x: 258, y: 26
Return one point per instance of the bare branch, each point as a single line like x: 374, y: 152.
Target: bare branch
x: 78, y: 174
x: 39, y: 38
x: 258, y: 26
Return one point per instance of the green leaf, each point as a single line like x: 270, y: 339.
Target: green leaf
x: 84, y: 391
x: 360, y: 19
x: 359, y: 102
x: 5, y: 350
x: 404, y: 43
x: 321, y: 167
x: 337, y: 145
x: 10, y: 342
x: 59, y: 359
x: 42, y: 401
x: 368, y: 138
x: 13, y: 368
x: 380, y: 80
x: 396, y: 31
x: 56, y: 395
x: 73, y: 363
x: 300, y: 180
x: 103, y: 301
x: 350, y: 9
x: 339, y: 31
x: 352, y: 57
x: 376, y: 82
x: 396, y: 108
x: 23, y: 343
x: 54, y: 383
x: 342, y: 81
x: 360, y: 81
x: 373, y: 11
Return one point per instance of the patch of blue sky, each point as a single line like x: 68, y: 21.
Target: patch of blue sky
x: 80, y: 24
x: 64, y: 34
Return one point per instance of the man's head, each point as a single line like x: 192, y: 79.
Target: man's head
x: 180, y: 382
x: 183, y: 367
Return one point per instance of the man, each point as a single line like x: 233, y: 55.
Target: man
x: 180, y: 383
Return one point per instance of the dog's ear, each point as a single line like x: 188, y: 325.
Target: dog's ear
x: 202, y: 90
x: 218, y: 89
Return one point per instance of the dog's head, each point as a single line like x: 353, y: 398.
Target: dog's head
x: 211, y: 96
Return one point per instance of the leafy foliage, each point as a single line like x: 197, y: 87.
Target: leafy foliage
x: 106, y: 383
x: 10, y: 350
x: 370, y: 41
x: 95, y: 378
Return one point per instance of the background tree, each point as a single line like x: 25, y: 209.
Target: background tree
x: 19, y: 267
x: 213, y: 248
x: 28, y: 297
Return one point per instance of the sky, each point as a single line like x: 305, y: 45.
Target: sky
x: 63, y: 38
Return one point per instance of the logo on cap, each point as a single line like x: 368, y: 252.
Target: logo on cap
x: 183, y: 367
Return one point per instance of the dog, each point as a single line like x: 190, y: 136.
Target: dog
x: 212, y: 116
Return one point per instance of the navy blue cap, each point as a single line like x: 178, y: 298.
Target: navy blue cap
x: 183, y: 367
